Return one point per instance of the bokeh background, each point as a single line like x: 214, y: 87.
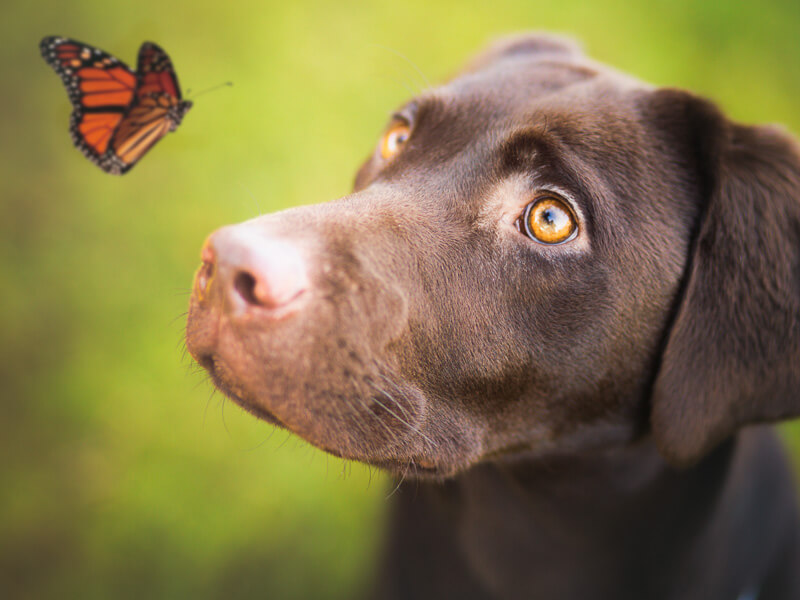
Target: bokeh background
x: 121, y: 474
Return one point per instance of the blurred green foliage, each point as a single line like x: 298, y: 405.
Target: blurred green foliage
x: 122, y: 476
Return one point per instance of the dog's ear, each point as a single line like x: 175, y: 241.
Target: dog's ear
x: 732, y: 354
x: 524, y: 45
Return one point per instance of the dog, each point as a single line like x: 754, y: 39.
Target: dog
x: 560, y: 306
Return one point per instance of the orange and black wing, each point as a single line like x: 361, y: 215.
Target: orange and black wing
x: 156, y: 74
x: 101, y: 88
x: 157, y: 108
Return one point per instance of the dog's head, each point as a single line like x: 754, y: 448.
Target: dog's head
x: 542, y: 255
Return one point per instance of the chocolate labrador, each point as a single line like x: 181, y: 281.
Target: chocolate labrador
x: 554, y: 307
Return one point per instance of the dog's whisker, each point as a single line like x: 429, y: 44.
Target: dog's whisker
x: 404, y: 84
x: 398, y: 390
x: 262, y: 442
x: 360, y: 423
x: 181, y: 344
x: 208, y: 402
x: 224, y: 423
x: 180, y: 316
x: 369, y: 472
x: 288, y: 437
x: 201, y: 382
x: 357, y: 418
x: 398, y: 417
x: 392, y: 435
x: 417, y: 70
x: 259, y: 210
x: 399, y: 483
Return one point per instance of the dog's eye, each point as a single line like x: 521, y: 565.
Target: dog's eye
x: 548, y: 220
x: 394, y: 139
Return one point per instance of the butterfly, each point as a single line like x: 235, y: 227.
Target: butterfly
x: 117, y: 115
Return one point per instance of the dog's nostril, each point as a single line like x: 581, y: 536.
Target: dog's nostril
x: 205, y: 273
x: 207, y: 253
x: 203, y: 279
x: 245, y: 285
x: 254, y: 271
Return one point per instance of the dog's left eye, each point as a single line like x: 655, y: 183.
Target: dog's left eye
x: 395, y: 138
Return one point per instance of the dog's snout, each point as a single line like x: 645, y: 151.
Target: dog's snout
x: 248, y: 270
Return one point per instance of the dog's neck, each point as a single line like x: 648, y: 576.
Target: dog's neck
x: 599, y: 526
x: 568, y: 510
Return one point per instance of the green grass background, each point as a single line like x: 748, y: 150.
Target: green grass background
x: 120, y: 476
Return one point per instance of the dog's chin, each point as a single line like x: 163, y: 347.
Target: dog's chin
x: 253, y: 408
x: 417, y: 469
x: 415, y: 456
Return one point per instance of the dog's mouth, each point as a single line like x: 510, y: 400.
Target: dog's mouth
x: 370, y: 435
x: 209, y: 363
x: 414, y: 465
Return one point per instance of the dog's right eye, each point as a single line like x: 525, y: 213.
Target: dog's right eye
x: 395, y: 138
x: 548, y: 220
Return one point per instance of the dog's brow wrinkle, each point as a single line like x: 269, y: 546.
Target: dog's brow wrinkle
x: 521, y: 148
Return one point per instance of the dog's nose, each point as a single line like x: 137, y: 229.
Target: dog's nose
x: 249, y: 270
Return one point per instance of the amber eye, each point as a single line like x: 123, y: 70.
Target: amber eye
x: 549, y: 220
x: 394, y: 139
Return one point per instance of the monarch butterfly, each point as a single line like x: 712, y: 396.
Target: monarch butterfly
x: 118, y: 115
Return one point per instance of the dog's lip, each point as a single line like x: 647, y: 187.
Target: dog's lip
x: 419, y: 466
x: 202, y: 331
x: 257, y: 411
x: 208, y: 362
x: 412, y: 466
x: 400, y: 464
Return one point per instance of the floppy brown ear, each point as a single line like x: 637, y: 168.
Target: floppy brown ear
x: 732, y: 355
x: 524, y: 44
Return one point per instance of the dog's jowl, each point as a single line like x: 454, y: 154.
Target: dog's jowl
x: 557, y: 305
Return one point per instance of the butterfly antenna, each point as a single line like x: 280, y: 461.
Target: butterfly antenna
x: 211, y: 89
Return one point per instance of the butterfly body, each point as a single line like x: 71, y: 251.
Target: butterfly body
x: 118, y: 114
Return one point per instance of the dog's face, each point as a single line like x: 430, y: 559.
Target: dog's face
x: 507, y: 278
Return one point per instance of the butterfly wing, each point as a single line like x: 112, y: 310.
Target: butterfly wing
x: 147, y: 122
x: 157, y: 109
x: 101, y: 88
x: 156, y: 74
